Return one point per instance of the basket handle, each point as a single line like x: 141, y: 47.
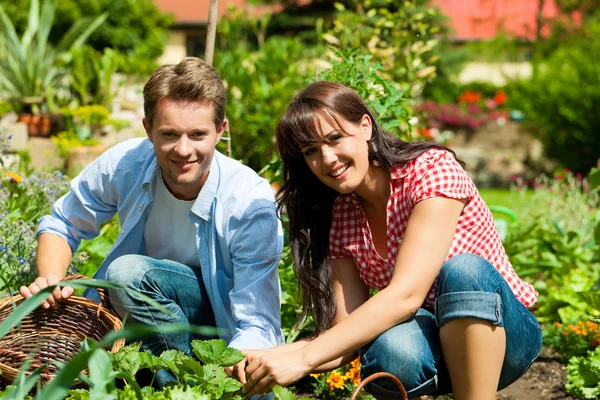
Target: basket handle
x: 377, y: 375
x: 101, y: 291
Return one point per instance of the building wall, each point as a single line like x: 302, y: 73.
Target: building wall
x: 485, y: 19
x: 175, y: 49
x: 495, y: 73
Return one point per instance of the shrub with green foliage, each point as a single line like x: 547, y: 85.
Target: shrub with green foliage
x: 561, y: 101
x: 134, y: 27
x: 260, y: 83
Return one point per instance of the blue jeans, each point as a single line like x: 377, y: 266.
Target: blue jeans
x: 468, y: 287
x: 177, y: 287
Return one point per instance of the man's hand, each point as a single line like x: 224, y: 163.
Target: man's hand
x: 58, y: 294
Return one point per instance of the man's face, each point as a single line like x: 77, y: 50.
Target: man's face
x: 184, y: 137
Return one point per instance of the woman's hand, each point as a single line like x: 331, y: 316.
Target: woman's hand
x: 264, y: 371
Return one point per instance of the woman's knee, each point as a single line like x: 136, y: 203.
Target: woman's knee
x: 408, y: 352
x: 465, y: 273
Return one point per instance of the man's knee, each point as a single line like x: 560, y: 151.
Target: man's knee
x: 127, y: 270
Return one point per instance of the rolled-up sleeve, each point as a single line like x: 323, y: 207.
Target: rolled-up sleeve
x: 256, y: 245
x: 91, y: 201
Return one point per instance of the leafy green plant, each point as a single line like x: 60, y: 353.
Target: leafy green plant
x: 133, y: 27
x: 31, y: 66
x: 398, y: 34
x: 559, y: 101
x: 572, y: 339
x: 583, y: 375
x: 554, y: 244
x: 261, y: 78
x: 91, y: 76
x: 359, y: 72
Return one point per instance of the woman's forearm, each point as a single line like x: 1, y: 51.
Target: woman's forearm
x: 366, y: 323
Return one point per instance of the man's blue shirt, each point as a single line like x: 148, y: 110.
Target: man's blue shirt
x: 238, y: 234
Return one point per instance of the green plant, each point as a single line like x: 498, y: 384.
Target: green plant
x: 5, y: 107
x: 572, y: 339
x: 133, y: 27
x: 31, y: 66
x: 359, y: 72
x: 583, y: 375
x: 91, y: 77
x: 338, y: 384
x: 85, y: 120
x: 554, y: 244
x: 260, y: 82
x: 399, y: 34
x: 559, y: 101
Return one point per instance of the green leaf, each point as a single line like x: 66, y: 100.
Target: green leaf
x: 102, y: 376
x: 128, y: 360
x: 216, y: 352
x: 282, y: 393
x: 592, y: 299
x: 594, y: 178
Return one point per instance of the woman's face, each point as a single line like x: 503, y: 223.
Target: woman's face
x: 341, y: 159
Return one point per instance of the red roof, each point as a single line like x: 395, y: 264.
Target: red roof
x: 485, y: 19
x: 196, y: 11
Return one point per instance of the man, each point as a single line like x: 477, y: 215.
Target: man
x: 199, y: 231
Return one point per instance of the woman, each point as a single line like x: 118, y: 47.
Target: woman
x: 370, y: 211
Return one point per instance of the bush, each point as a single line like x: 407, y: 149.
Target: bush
x: 260, y: 83
x: 561, y: 101
x: 555, y: 245
x: 134, y: 27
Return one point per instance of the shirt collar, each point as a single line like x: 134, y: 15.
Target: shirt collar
x: 150, y: 171
x: 208, y: 192
x: 399, y: 171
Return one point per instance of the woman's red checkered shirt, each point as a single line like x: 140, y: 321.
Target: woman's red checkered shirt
x: 434, y: 173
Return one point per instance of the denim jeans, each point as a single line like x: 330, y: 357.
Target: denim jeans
x: 468, y: 286
x: 176, y: 287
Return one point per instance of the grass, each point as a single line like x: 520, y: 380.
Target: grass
x: 496, y: 197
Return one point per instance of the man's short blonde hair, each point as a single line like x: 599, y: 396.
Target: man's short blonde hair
x: 190, y: 80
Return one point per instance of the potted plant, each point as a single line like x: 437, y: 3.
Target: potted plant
x: 30, y: 70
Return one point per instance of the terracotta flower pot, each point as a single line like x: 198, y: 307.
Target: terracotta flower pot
x: 37, y: 125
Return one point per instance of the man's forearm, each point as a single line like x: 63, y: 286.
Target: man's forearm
x: 53, y: 255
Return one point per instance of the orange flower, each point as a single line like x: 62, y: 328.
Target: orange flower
x: 500, y: 98
x: 14, y: 177
x: 469, y: 96
x: 336, y: 380
x: 355, y: 363
x: 353, y: 375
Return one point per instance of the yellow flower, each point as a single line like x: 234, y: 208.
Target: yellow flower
x: 336, y: 380
x: 353, y: 375
x: 316, y: 376
x: 355, y: 363
x: 14, y: 177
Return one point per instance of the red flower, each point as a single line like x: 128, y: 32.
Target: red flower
x: 500, y: 98
x: 469, y: 96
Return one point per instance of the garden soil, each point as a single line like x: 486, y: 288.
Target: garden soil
x: 545, y: 380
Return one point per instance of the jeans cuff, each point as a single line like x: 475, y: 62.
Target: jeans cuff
x: 480, y: 305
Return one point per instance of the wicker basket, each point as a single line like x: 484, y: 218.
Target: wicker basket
x: 54, y: 334
x: 377, y: 375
